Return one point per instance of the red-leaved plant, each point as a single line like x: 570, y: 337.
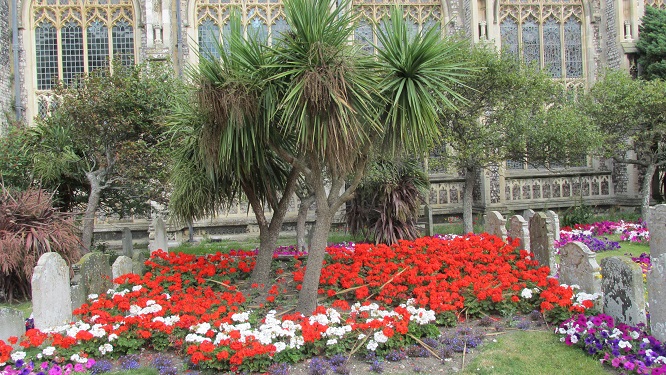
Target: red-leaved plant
x: 29, y: 227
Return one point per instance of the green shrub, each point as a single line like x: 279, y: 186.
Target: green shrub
x: 579, y: 214
x: 29, y: 227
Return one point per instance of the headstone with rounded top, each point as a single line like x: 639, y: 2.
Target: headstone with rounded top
x: 128, y: 246
x: 542, y: 245
x: 656, y: 286
x: 527, y: 214
x: 95, y: 273
x: 657, y: 226
x: 51, y: 298
x: 578, y: 266
x: 122, y: 266
x: 495, y: 224
x: 624, y: 293
x: 519, y: 228
x: 160, y: 242
x: 555, y: 224
x: 12, y: 323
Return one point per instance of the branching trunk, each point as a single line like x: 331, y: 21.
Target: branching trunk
x: 645, y: 190
x: 303, y: 209
x: 96, y: 180
x: 468, y: 192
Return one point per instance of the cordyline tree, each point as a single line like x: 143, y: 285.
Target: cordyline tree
x: 105, y: 133
x: 512, y: 112
x: 317, y: 106
x: 631, y: 114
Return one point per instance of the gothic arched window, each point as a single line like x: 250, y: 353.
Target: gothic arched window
x: 73, y: 37
x: 260, y: 18
x: 547, y: 33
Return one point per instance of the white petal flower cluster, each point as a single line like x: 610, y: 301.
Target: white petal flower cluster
x: 105, y: 348
x: 526, y: 293
x: 151, y: 308
x: 168, y: 321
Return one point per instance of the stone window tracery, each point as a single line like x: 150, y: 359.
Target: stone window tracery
x: 73, y: 37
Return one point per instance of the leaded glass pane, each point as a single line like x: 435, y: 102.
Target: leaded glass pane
x: 573, y: 49
x: 209, y: 36
x: 515, y: 164
x: 46, y: 44
x: 431, y: 22
x: 257, y: 27
x: 98, y: 45
x: 363, y: 35
x: 552, y: 48
x: 509, y: 33
x: 71, y: 36
x: 123, y: 42
x: 42, y: 107
x: 531, y: 42
x: 279, y: 30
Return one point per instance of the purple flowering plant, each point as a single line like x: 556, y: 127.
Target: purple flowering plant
x: 626, y: 348
x: 21, y: 367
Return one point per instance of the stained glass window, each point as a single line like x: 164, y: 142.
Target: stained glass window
x: 98, y: 45
x: 509, y: 32
x: 573, y: 48
x: 552, y: 48
x: 209, y: 36
x: 531, y: 48
x: 46, y: 42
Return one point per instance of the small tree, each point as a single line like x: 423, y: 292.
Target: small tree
x: 651, y: 44
x: 631, y: 115
x: 105, y: 133
x: 512, y: 112
x: 29, y: 227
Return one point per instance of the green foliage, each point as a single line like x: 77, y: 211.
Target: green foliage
x: 15, y: 160
x: 578, y: 214
x: 29, y: 227
x: 652, y: 44
x: 386, y: 204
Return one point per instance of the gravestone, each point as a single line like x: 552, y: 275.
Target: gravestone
x: 622, y: 285
x: 495, y: 224
x: 430, y: 226
x: 578, y: 266
x: 12, y: 323
x: 527, y: 214
x: 122, y: 265
x: 161, y: 241
x: 51, y: 298
x: 656, y: 286
x: 94, y: 274
x: 542, y: 245
x: 657, y: 226
x: 518, y: 228
x: 138, y: 261
x: 555, y: 224
x: 128, y: 246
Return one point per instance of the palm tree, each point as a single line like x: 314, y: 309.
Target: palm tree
x: 339, y: 101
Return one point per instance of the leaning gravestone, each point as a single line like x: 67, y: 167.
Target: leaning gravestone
x: 160, y: 242
x: 578, y: 266
x: 657, y: 226
x: 95, y: 273
x: 128, y: 246
x: 542, y: 245
x: 518, y: 228
x: 122, y: 266
x: 555, y: 224
x: 656, y: 286
x: 527, y: 214
x: 622, y: 285
x: 12, y: 323
x: 495, y: 224
x: 51, y: 299
x: 138, y: 261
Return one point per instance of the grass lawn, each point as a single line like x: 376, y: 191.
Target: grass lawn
x: 533, y: 353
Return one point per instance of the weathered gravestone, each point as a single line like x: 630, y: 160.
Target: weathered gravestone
x: 578, y: 266
x: 12, y: 323
x: 656, y: 286
x: 657, y: 226
x: 51, y: 298
x: 128, y: 246
x: 542, y: 245
x: 430, y: 226
x: 160, y: 242
x: 555, y: 224
x: 518, y: 228
x: 122, y: 265
x: 622, y: 285
x: 527, y: 214
x: 138, y: 261
x: 495, y: 224
x: 93, y: 277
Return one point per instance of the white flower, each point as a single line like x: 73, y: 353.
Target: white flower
x: 16, y: 356
x: 634, y: 335
x: 280, y: 346
x: 380, y: 337
x: 105, y: 348
x: 331, y: 342
x: 48, y: 351
x: 136, y: 288
x: 574, y: 339
x: 526, y: 293
x: 372, y: 345
x: 624, y: 344
x: 93, y: 296
x: 112, y: 337
x: 361, y: 336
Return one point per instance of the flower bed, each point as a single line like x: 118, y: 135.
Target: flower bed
x: 634, y: 232
x: 190, y: 304
x: 621, y: 346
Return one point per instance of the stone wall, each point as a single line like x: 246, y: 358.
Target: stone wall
x: 611, y: 36
x: 6, y: 92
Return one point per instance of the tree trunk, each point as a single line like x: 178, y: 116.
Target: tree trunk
x: 645, y: 191
x: 307, y: 298
x: 301, y: 221
x: 96, y: 186
x: 468, y: 192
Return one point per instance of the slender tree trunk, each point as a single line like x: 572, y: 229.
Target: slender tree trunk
x: 96, y: 186
x: 468, y: 192
x: 645, y: 191
x: 301, y: 221
x: 307, y: 298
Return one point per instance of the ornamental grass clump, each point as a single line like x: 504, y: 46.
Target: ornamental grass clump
x: 29, y: 227
x: 629, y: 349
